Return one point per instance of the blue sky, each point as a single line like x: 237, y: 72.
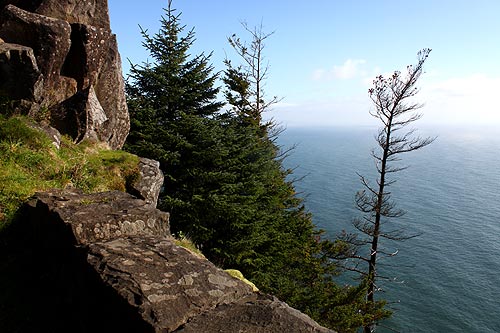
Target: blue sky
x: 325, y: 53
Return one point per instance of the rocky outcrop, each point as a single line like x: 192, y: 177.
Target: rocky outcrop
x: 257, y: 313
x: 68, y: 63
x: 52, y: 134
x: 21, y: 78
x: 101, y: 216
x: 106, y: 262
x: 167, y: 284
x: 150, y: 181
x: 89, y: 12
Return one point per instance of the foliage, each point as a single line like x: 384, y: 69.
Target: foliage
x: 237, y: 274
x: 172, y: 107
x: 31, y: 163
x: 225, y: 185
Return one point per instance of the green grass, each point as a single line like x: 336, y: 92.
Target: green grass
x: 29, y: 162
x: 184, y: 241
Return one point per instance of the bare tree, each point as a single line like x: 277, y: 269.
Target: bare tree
x: 395, y: 109
x: 248, y: 79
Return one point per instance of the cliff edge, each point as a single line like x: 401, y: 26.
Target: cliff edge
x: 106, y: 262
x: 102, y: 262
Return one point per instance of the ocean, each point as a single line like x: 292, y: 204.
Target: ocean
x: 448, y: 278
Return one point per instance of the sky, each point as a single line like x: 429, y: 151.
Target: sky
x: 324, y: 54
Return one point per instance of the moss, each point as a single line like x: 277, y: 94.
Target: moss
x: 31, y: 163
x: 237, y: 274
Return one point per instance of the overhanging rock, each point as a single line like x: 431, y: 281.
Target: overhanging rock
x: 77, y: 56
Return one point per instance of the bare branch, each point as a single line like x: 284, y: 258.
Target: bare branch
x: 255, y: 68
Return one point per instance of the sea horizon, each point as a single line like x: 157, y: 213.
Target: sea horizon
x: 445, y: 280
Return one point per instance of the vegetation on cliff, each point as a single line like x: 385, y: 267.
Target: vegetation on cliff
x: 30, y: 162
x: 225, y: 184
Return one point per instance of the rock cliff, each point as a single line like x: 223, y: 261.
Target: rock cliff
x: 106, y: 262
x: 103, y: 262
x: 60, y: 62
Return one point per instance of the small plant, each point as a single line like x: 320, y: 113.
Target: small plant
x: 237, y: 274
x: 43, y: 115
x: 184, y: 241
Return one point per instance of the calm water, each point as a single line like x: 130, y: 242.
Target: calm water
x: 447, y: 279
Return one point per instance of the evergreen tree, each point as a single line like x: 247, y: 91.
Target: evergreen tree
x: 395, y: 109
x: 172, y: 105
x: 282, y: 251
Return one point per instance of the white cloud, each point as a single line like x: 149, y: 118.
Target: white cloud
x: 469, y: 100
x: 350, y: 69
x: 465, y: 100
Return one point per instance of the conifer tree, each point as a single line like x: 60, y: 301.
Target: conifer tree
x: 172, y: 105
x: 284, y: 254
x: 395, y: 109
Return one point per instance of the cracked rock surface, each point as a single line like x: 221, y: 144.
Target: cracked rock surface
x: 166, y: 283
x: 73, y: 67
x: 149, y: 184
x: 106, y: 262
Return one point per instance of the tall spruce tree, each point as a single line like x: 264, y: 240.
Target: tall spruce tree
x: 172, y: 105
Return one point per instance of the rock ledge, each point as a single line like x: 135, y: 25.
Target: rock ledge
x: 106, y: 262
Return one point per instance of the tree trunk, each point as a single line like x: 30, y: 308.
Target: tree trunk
x: 376, y: 228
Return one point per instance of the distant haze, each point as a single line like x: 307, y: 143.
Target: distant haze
x: 324, y: 54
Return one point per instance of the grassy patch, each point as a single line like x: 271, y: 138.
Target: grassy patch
x: 30, y: 163
x: 185, y: 242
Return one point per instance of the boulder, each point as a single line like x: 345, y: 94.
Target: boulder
x: 20, y: 78
x: 86, y: 55
x: 110, y: 90
x: 63, y: 88
x: 257, y: 313
x: 150, y: 181
x: 98, y: 217
x: 53, y: 134
x: 166, y: 283
x: 81, y: 116
x: 48, y: 37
